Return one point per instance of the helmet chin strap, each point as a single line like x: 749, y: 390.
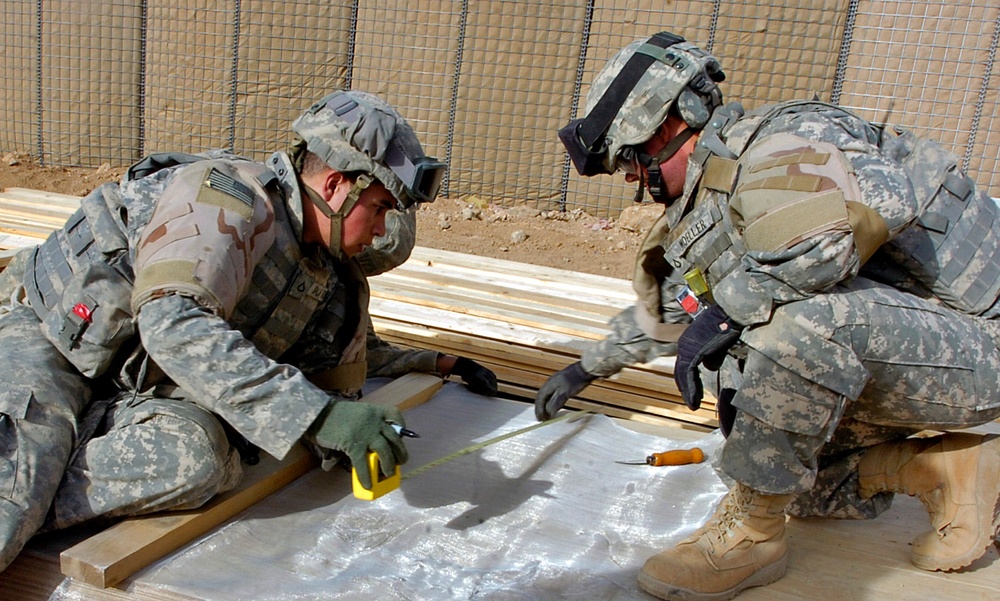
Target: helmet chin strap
x: 337, y: 217
x: 657, y: 187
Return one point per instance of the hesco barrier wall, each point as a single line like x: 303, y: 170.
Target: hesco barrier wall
x: 487, y: 84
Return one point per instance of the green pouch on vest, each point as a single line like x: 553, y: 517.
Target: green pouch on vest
x: 92, y: 319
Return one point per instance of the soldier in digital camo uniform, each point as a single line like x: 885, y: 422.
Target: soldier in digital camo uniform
x: 206, y: 305
x: 845, y: 278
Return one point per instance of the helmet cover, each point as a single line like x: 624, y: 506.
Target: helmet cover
x: 356, y: 131
x: 683, y: 75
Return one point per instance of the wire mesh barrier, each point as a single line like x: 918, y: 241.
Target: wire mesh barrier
x: 486, y: 84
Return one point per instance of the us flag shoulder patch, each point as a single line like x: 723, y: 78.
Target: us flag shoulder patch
x: 227, y: 185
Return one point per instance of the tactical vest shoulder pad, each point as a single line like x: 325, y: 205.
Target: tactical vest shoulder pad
x: 206, y: 248
x: 790, y: 189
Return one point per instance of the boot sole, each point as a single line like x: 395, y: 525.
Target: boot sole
x: 989, y: 460
x: 664, y: 590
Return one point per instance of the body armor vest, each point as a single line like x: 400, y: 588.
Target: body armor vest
x: 79, y: 282
x: 952, y: 252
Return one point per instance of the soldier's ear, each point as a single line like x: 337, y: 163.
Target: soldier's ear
x: 332, y: 180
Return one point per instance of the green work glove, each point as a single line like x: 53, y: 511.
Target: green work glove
x: 356, y: 429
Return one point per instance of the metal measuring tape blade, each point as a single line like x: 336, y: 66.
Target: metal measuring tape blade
x: 568, y: 417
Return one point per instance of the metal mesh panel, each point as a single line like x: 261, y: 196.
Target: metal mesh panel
x: 188, y: 75
x: 410, y: 59
x: 486, y: 84
x: 285, y: 59
x: 19, y: 79
x: 89, y: 100
x: 931, y: 67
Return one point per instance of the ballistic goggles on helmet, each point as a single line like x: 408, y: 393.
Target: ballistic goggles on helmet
x: 584, y: 139
x: 354, y: 131
x: 421, y: 175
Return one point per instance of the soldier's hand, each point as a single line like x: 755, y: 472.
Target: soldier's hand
x: 565, y: 383
x: 479, y: 379
x: 705, y: 341
x: 356, y: 429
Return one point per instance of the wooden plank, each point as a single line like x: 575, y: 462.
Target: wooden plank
x: 550, y: 320
x: 527, y: 393
x: 65, y: 202
x: 486, y: 342
x: 527, y: 275
x: 658, y: 376
x: 10, y: 241
x: 406, y: 392
x: 594, y: 392
x: 401, y: 312
x: 115, y: 554
x: 111, y: 556
x: 655, y: 402
x: 6, y: 256
x: 489, y: 280
x: 649, y: 380
x: 34, y: 208
x: 474, y: 293
x: 27, y: 230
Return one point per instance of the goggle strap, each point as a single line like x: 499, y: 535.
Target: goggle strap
x: 596, y: 124
x: 672, y: 147
x: 640, y: 190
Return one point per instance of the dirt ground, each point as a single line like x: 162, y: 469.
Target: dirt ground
x: 572, y: 240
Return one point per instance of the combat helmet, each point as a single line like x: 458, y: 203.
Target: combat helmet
x: 357, y: 132
x: 354, y: 131
x: 633, y: 94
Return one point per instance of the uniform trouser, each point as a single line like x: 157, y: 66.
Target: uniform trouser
x: 832, y: 375
x: 144, y: 453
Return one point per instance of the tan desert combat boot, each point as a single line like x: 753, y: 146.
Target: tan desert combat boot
x: 742, y: 545
x: 957, y: 478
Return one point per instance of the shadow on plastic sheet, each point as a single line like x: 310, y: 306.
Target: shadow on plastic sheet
x: 451, y: 421
x: 488, y: 488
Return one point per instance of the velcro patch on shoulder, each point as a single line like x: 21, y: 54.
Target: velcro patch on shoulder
x: 223, y: 191
x: 791, y: 189
x: 800, y: 219
x: 720, y: 174
x: 802, y: 157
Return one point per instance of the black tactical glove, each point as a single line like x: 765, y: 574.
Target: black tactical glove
x: 355, y: 429
x: 560, y: 386
x: 479, y: 379
x: 705, y: 341
x: 726, y: 410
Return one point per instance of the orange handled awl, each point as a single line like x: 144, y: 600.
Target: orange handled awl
x: 679, y: 457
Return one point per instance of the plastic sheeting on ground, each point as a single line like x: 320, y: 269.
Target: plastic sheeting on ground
x: 545, y: 515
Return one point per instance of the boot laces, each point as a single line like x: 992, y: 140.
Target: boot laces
x: 736, y: 507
